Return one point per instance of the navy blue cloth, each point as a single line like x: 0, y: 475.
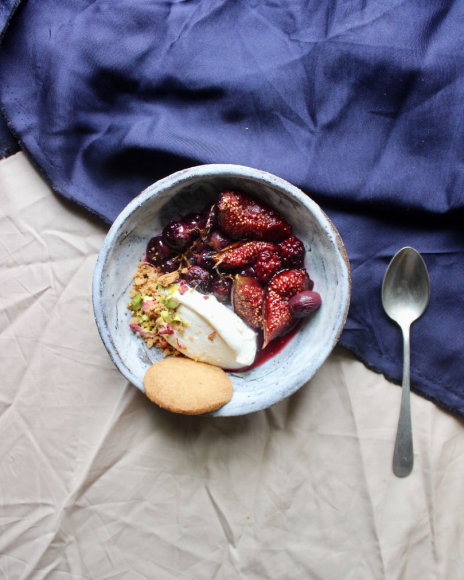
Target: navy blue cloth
x: 358, y: 103
x: 8, y: 144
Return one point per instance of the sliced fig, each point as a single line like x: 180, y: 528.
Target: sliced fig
x: 241, y: 254
x: 242, y: 217
x: 247, y: 300
x: 287, y: 283
x: 277, y: 316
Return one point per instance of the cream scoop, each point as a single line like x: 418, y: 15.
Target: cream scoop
x: 211, y: 331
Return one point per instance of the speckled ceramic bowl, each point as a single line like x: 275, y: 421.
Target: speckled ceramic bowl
x: 190, y: 190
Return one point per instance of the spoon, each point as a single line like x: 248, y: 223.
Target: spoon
x: 405, y: 296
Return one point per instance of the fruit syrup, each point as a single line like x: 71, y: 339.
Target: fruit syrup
x: 271, y: 350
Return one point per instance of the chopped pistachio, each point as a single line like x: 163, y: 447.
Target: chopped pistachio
x: 171, y: 303
x: 136, y: 302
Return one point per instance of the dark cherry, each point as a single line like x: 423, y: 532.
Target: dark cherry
x: 194, y: 222
x: 201, y: 246
x: 248, y: 272
x: 169, y: 265
x: 198, y: 278
x: 221, y: 288
x: 158, y: 251
x: 177, y: 235
x: 191, y: 259
x: 217, y: 240
x: 304, y: 303
x: 205, y: 260
x: 209, y: 217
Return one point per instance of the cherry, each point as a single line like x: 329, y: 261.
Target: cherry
x: 304, y: 303
x: 157, y: 251
x: 209, y: 217
x: 217, y: 240
x: 201, y: 246
x: 221, y: 288
x: 205, y: 260
x: 248, y: 272
x: 177, y: 235
x: 194, y: 222
x: 198, y: 278
x: 191, y: 259
x: 169, y: 265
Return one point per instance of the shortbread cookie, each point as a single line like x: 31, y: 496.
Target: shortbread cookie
x: 182, y: 385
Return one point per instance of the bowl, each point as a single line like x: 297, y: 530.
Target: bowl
x: 190, y: 190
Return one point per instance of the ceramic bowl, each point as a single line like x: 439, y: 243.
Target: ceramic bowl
x: 190, y: 190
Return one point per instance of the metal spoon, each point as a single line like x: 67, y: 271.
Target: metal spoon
x: 405, y: 296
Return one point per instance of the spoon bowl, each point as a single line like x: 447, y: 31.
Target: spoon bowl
x: 405, y: 297
x: 406, y: 287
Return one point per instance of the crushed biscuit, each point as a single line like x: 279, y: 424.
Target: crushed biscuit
x: 147, y: 306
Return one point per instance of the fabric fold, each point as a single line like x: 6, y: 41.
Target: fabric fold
x: 359, y: 106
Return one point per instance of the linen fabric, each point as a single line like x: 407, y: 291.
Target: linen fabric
x: 357, y: 103
x: 98, y: 483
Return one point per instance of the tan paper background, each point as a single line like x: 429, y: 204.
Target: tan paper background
x: 97, y: 483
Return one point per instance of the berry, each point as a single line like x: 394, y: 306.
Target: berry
x: 169, y: 265
x: 157, y: 251
x: 221, y: 288
x: 177, y: 235
x: 191, y: 259
x: 217, y: 240
x: 247, y: 300
x: 193, y: 222
x: 267, y: 264
x: 201, y: 246
x: 206, y: 260
x: 304, y: 303
x: 242, y: 217
x: 209, y: 218
x: 248, y: 272
x: 292, y: 252
x: 198, y: 278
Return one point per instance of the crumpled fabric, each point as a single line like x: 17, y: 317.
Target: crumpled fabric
x: 358, y: 104
x: 98, y: 483
x: 8, y: 145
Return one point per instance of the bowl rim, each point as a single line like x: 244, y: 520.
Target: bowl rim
x: 183, y: 177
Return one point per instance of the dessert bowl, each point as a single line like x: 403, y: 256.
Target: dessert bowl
x: 191, y: 190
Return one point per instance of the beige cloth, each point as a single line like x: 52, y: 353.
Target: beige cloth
x: 98, y: 483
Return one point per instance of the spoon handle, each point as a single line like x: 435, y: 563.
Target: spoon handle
x: 403, y: 456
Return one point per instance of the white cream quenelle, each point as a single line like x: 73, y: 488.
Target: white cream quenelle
x: 212, y: 333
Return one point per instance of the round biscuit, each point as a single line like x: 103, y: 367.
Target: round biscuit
x: 182, y: 385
